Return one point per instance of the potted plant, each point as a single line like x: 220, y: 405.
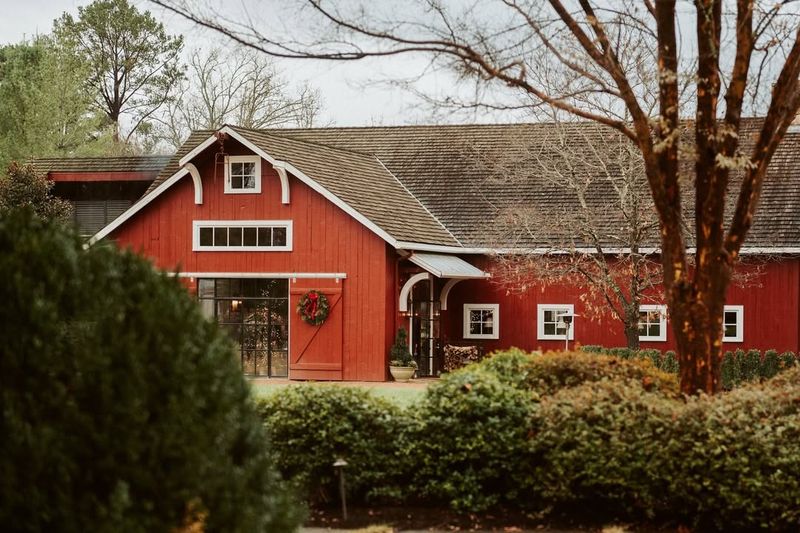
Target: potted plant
x: 401, y: 365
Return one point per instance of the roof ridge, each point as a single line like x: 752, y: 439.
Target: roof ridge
x: 424, y: 207
x: 304, y: 141
x: 102, y: 157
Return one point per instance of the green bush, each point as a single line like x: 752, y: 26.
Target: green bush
x: 594, y: 447
x: 770, y: 365
x: 550, y: 372
x: 738, y: 367
x: 732, y: 461
x: 670, y: 362
x: 470, y: 446
x: 121, y: 408
x: 311, y: 426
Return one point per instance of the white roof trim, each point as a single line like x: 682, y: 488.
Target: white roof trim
x: 197, y: 150
x: 447, y: 266
x: 135, y: 208
x: 281, y: 275
x: 423, y: 247
x: 311, y: 183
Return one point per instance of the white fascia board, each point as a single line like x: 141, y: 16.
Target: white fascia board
x: 197, y: 150
x: 314, y: 185
x: 280, y: 275
x: 138, y: 206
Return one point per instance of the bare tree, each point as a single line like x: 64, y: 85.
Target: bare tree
x: 597, y: 229
x: 241, y: 87
x: 568, y: 54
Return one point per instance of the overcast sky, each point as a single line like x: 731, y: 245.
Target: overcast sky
x: 348, y: 96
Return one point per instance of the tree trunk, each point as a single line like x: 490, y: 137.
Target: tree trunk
x: 632, y: 336
x: 631, y: 320
x: 696, y: 315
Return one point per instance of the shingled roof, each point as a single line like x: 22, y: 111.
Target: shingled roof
x: 438, y: 164
x: 139, y: 163
x: 426, y: 184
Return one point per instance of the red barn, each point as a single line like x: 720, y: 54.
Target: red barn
x: 394, y: 225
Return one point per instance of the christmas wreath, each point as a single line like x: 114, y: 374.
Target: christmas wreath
x: 313, y: 308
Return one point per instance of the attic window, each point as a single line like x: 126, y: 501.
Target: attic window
x: 243, y: 174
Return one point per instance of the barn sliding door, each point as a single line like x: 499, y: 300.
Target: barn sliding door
x: 316, y: 352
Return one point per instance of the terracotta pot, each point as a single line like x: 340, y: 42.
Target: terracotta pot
x: 402, y: 373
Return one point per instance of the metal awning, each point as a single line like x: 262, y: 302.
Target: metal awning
x: 447, y: 266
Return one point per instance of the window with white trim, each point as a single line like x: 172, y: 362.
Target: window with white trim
x: 653, y: 322
x: 550, y: 324
x: 243, y: 174
x: 733, y: 323
x: 481, y: 321
x: 242, y: 235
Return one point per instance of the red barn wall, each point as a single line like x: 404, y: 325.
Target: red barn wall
x: 771, y: 318
x: 325, y: 239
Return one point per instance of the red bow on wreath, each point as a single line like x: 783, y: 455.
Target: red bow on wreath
x: 312, y: 304
x: 313, y: 308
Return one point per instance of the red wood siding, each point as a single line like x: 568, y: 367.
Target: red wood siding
x: 771, y: 318
x: 325, y: 239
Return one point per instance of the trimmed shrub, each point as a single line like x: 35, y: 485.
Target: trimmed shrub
x: 787, y: 360
x: 670, y: 362
x: 770, y: 365
x: 470, y: 446
x: 121, y: 408
x: 311, y: 426
x: 550, y: 372
x: 737, y: 367
x: 595, y: 446
x: 732, y: 460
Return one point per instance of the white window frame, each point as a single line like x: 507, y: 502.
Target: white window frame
x: 229, y: 160
x: 568, y: 309
x: 662, y: 309
x: 739, y: 310
x: 197, y: 224
x: 494, y: 308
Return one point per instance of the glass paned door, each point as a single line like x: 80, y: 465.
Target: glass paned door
x: 255, y: 314
x: 424, y: 328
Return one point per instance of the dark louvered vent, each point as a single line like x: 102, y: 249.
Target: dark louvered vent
x: 93, y: 215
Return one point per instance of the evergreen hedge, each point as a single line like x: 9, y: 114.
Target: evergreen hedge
x: 586, y: 437
x: 738, y: 367
x: 121, y: 408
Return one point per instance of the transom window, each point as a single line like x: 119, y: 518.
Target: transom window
x: 550, y: 322
x: 239, y: 235
x: 652, y: 322
x: 733, y: 323
x: 243, y: 174
x: 481, y: 321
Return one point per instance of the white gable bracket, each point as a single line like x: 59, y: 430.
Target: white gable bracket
x: 406, y: 290
x: 281, y: 170
x: 198, y: 183
x: 446, y: 292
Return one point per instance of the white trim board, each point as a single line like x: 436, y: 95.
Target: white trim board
x: 197, y: 224
x: 278, y: 275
